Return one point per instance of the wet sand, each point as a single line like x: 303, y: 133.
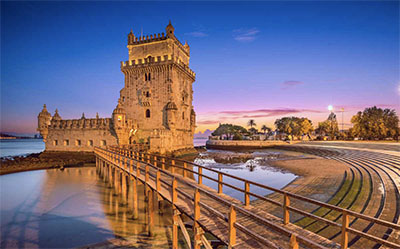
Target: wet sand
x: 318, y: 178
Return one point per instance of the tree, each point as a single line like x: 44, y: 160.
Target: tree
x: 252, y: 130
x: 229, y: 131
x: 329, y: 127
x: 251, y: 123
x: 294, y: 126
x: 265, y: 129
x: 375, y: 123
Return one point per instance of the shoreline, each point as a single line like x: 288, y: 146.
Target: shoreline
x: 46, y: 160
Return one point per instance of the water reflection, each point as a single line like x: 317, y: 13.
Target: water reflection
x: 74, y: 207
x: 252, y: 166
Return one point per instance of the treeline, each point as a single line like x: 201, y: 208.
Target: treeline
x: 371, y: 124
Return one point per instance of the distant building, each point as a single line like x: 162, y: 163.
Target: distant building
x: 155, y: 105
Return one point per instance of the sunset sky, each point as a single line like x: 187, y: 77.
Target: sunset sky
x: 259, y: 60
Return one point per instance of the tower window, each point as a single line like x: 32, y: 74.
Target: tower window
x: 90, y: 143
x: 66, y: 142
x: 183, y: 115
x: 103, y: 143
x: 55, y: 142
x: 145, y: 77
x: 149, y: 77
x: 78, y: 142
x: 147, y: 113
x: 147, y: 94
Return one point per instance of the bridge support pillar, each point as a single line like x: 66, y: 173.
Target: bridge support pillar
x: 135, y: 198
x: 150, y: 213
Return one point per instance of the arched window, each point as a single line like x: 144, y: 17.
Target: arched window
x: 183, y: 115
x: 149, y: 77
x: 147, y: 94
x: 147, y: 113
x: 145, y: 77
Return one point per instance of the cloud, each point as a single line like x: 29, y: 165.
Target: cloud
x: 291, y: 83
x: 267, y: 112
x: 245, y: 35
x: 206, y: 122
x: 197, y: 34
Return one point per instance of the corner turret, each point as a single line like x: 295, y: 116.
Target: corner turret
x: 44, y: 119
x: 120, y: 125
x: 170, y: 29
x: 131, y: 37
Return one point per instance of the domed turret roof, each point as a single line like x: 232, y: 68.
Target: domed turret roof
x: 119, y: 109
x: 170, y: 29
x: 56, y: 116
x: 44, y: 112
x: 171, y: 106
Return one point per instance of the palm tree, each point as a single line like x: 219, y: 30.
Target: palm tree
x: 265, y: 129
x: 251, y: 123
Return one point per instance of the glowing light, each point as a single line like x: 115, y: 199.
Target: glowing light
x: 330, y: 107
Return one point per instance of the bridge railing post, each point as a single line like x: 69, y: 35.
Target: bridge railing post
x: 246, y: 193
x: 232, y: 228
x: 175, y: 220
x: 196, y: 225
x: 158, y: 184
x: 345, y: 225
x: 184, y: 169
x: 293, y: 242
x: 155, y: 161
x: 137, y: 170
x: 286, y: 204
x: 172, y: 166
x: 163, y: 163
x: 220, y: 183
x: 200, y: 175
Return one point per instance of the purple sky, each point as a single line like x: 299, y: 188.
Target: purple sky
x: 261, y: 61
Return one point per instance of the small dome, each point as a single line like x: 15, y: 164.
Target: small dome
x: 56, y: 116
x: 119, y: 109
x: 170, y: 29
x: 44, y: 112
x: 171, y: 106
x: 192, y: 112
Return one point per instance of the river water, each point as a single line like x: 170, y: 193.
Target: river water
x: 74, y: 207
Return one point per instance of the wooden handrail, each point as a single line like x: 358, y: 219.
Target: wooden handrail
x: 246, y: 190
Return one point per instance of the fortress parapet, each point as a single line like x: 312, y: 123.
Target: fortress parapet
x: 92, y: 123
x: 155, y: 61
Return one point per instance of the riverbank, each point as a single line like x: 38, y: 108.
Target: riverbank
x: 243, y: 144
x: 46, y: 160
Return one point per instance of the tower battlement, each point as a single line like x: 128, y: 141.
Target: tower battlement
x: 159, y: 60
x: 132, y: 40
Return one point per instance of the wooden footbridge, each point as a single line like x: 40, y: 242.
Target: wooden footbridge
x: 235, y: 223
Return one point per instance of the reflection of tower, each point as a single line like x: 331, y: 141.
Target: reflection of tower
x: 44, y: 119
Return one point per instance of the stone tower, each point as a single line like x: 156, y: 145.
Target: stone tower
x: 158, y: 91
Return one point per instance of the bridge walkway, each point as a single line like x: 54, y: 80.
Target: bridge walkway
x: 237, y: 224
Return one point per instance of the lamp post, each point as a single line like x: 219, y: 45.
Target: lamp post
x: 330, y: 108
